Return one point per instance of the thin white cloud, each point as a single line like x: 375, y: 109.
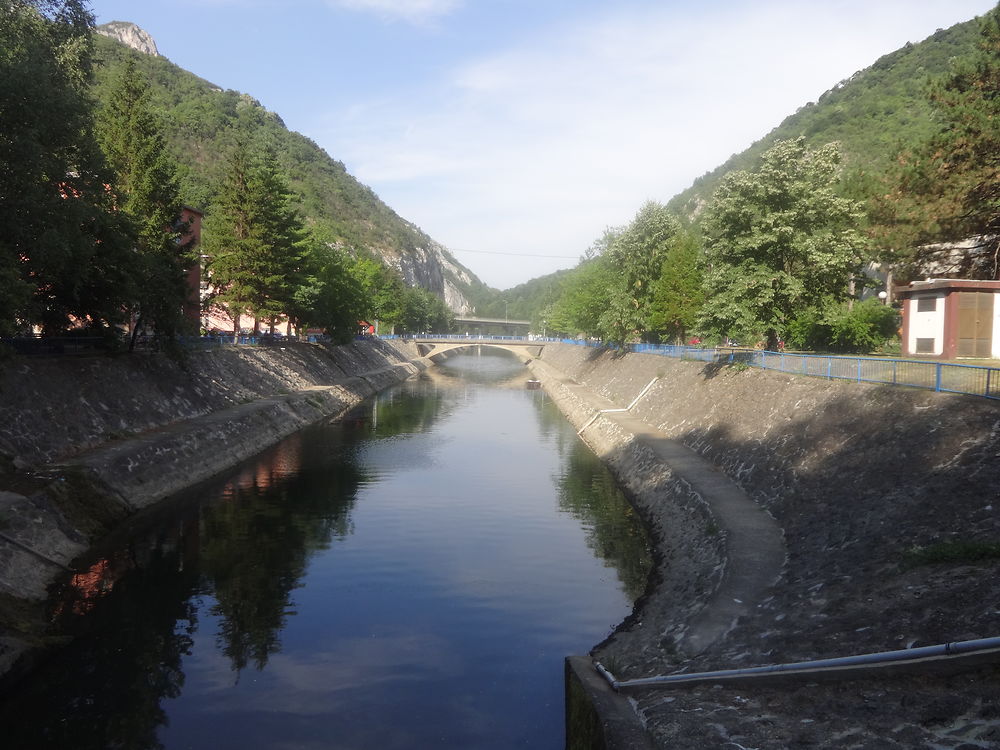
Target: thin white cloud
x: 410, y: 11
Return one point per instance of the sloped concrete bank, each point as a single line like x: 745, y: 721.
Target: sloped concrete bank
x: 889, y: 502
x: 86, y: 443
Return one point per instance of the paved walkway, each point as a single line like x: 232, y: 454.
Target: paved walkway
x: 755, y: 546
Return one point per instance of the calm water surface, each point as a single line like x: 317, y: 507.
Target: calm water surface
x: 410, y: 577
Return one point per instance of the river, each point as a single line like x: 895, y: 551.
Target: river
x: 410, y: 576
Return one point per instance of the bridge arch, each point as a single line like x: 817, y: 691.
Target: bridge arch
x: 439, y: 349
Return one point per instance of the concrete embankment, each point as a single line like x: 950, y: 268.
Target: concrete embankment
x: 887, y: 499
x: 87, y: 442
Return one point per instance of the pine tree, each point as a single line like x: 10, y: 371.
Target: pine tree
x: 147, y: 192
x: 253, y: 237
x: 677, y: 292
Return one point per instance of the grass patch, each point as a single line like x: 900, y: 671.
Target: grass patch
x: 952, y: 552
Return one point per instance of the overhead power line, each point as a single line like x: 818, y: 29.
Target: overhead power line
x: 519, y: 255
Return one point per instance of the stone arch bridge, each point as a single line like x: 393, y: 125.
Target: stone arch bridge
x: 440, y: 347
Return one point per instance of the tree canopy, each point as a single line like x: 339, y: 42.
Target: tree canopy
x: 147, y: 193
x: 778, y: 240
x: 63, y: 250
x: 253, y: 238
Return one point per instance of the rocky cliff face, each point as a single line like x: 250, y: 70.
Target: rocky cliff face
x: 130, y: 35
x: 431, y: 267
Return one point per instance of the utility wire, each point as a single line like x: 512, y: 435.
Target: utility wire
x: 519, y: 255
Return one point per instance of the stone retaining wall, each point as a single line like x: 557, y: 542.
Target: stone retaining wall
x: 84, y: 443
x: 860, y: 477
x: 689, y: 557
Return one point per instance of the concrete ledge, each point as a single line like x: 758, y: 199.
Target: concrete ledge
x: 598, y: 718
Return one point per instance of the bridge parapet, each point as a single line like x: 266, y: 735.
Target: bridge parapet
x: 524, y: 347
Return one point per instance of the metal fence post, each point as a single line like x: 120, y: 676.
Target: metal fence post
x: 937, y: 376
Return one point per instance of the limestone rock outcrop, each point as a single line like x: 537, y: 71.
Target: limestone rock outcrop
x: 130, y: 35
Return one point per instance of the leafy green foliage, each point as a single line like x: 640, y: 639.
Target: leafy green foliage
x: 872, y: 115
x: 328, y: 296
x: 585, y: 296
x: 636, y: 256
x: 613, y: 294
x: 381, y: 289
x: 947, y: 187
x: 423, y: 311
x: 63, y: 252
x: 678, y: 293
x: 777, y: 241
x: 253, y: 238
x: 838, y: 327
x: 146, y: 190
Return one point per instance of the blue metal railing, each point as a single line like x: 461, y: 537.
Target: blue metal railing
x: 65, y: 345
x: 973, y: 380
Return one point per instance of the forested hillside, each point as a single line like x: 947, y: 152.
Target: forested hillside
x: 196, y: 118
x: 102, y: 147
x: 800, y: 239
x: 872, y: 115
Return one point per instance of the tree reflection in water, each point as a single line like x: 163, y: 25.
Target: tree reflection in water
x: 243, y: 553
x: 235, y: 551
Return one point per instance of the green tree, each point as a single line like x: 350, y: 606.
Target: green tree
x: 585, y: 296
x: 253, y: 238
x: 329, y: 297
x: 64, y: 253
x: 778, y: 240
x: 382, y: 292
x: 423, y: 311
x: 148, y: 195
x: 677, y: 294
x: 948, y: 188
x: 860, y: 328
x: 635, y: 258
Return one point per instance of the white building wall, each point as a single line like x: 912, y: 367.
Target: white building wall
x: 995, y: 347
x: 927, y: 324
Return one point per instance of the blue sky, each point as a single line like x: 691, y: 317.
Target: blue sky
x: 512, y: 131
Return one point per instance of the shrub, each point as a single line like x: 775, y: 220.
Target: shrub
x: 865, y: 328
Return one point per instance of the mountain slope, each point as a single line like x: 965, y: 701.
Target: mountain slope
x: 871, y: 114
x: 197, y: 115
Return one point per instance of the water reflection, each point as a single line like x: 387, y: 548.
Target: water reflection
x: 420, y: 554
x: 614, y: 532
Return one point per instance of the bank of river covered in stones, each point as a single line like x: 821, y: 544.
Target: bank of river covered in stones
x: 888, y: 501
x: 884, y: 502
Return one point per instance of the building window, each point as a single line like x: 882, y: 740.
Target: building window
x: 926, y: 304
x: 925, y: 346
